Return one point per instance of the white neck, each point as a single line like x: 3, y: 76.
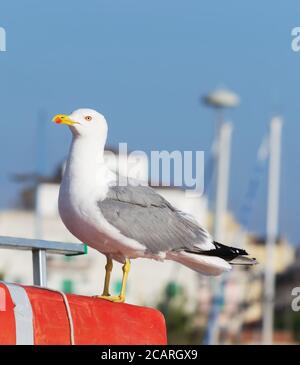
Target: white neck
x: 86, y: 155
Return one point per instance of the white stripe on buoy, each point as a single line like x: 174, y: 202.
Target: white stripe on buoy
x: 23, y: 314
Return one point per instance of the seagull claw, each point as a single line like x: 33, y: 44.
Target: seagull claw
x: 112, y: 298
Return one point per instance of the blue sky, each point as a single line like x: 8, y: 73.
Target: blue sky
x: 144, y: 65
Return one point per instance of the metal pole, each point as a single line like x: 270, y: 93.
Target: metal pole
x: 39, y: 263
x: 272, y: 228
x: 222, y: 184
x: 223, y: 165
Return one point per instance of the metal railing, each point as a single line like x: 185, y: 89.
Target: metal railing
x: 39, y: 248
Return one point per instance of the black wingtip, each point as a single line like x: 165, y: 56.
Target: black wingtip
x: 228, y: 251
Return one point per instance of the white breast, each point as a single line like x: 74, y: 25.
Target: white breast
x: 81, y: 215
x: 85, y: 182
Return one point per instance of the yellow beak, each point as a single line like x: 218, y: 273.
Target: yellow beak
x: 63, y: 119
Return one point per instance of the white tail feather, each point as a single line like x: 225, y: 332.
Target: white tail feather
x: 207, y: 265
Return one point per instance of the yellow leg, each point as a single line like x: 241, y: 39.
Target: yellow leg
x: 121, y: 297
x: 126, y: 269
x: 108, y: 270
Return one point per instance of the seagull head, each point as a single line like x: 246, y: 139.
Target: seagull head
x: 84, y: 123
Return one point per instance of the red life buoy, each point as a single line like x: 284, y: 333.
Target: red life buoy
x: 40, y: 316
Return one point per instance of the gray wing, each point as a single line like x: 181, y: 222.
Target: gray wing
x: 138, y: 212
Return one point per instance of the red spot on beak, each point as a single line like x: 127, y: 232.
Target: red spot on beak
x: 58, y: 120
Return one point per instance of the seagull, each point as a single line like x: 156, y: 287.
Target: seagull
x: 128, y: 221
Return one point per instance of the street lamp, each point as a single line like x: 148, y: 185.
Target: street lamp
x: 222, y: 98
x: 219, y: 100
x: 272, y: 228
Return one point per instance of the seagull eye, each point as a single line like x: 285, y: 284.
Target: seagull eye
x: 88, y: 118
